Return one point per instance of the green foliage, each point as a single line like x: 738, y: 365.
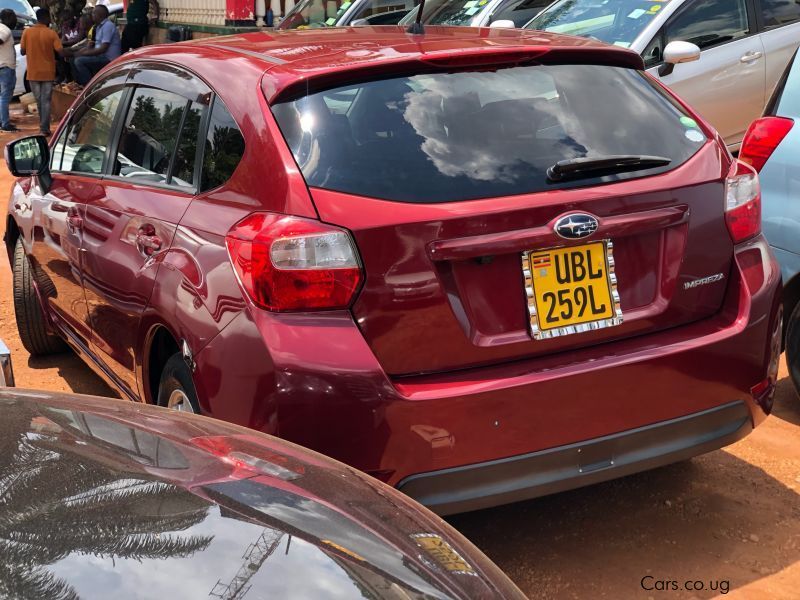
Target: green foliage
x: 53, y: 506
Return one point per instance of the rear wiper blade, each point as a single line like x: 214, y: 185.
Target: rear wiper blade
x: 596, y: 166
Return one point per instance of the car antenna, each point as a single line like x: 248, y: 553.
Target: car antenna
x: 417, y: 28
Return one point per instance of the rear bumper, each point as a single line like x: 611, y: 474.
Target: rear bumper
x: 312, y: 379
x: 554, y: 470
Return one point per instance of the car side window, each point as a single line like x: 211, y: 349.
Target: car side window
x: 652, y: 55
x: 150, y: 136
x: 186, y: 152
x: 224, y: 148
x: 708, y: 23
x: 88, y: 135
x: 57, y: 153
x: 779, y: 12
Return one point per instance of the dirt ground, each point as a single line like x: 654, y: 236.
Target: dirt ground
x: 726, y: 524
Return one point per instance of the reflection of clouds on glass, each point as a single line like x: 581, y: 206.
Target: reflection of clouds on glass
x: 461, y: 139
x: 424, y: 114
x: 284, y: 574
x: 476, y: 134
x: 58, y: 499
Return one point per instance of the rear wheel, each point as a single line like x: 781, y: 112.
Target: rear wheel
x: 176, y: 388
x: 31, y: 322
x: 793, y: 347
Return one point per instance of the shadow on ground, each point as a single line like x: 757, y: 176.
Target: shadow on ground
x: 713, y: 518
x: 78, y: 376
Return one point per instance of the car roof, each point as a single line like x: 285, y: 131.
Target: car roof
x: 299, y: 56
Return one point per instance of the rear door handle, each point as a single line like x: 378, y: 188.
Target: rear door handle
x: 147, y: 241
x: 751, y: 56
x: 74, y: 221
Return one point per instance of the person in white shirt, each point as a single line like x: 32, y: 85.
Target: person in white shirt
x: 8, y: 66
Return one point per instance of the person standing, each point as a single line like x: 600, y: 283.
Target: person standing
x: 8, y: 66
x: 40, y: 44
x: 102, y: 50
x: 138, y: 22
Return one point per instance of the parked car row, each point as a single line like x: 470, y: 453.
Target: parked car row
x: 433, y: 257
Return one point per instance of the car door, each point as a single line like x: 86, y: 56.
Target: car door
x: 149, y: 181
x: 780, y: 24
x: 76, y: 171
x: 726, y: 85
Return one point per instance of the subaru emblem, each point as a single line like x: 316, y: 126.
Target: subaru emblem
x: 576, y: 226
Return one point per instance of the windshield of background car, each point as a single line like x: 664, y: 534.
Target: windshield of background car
x: 314, y: 13
x: 439, y: 137
x: 617, y: 22
x: 319, y: 13
x: 448, y: 12
x: 21, y: 7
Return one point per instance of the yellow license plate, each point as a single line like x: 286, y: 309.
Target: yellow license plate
x: 442, y: 552
x: 571, y: 290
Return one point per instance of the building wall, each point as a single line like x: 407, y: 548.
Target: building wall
x: 215, y: 12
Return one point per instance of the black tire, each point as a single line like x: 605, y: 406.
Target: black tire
x: 31, y: 323
x: 792, y: 348
x: 176, y: 376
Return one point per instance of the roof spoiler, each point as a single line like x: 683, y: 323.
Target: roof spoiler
x: 275, y: 90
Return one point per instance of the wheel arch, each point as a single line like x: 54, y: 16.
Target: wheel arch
x: 161, y: 343
x: 12, y: 234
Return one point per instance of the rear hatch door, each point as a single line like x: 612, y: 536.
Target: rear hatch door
x: 476, y: 248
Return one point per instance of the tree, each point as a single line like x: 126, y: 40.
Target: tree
x: 52, y: 505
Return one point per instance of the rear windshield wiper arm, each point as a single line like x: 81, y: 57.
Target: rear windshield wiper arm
x: 597, y: 166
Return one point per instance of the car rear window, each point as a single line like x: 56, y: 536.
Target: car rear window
x: 439, y: 137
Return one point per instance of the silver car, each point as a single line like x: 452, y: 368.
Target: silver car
x: 478, y: 13
x: 734, y: 50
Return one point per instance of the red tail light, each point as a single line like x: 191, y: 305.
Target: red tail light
x: 761, y: 139
x: 248, y: 459
x: 742, y: 203
x: 289, y: 263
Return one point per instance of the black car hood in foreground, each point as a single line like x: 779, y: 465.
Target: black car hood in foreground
x: 107, y: 499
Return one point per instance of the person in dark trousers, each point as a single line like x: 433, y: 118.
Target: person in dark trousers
x: 8, y: 66
x: 73, y: 31
x: 102, y: 50
x: 138, y: 22
x: 40, y: 44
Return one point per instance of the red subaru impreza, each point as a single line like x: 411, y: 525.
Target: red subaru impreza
x: 481, y: 265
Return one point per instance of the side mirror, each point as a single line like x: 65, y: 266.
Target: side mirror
x: 503, y: 24
x: 678, y: 52
x: 28, y: 156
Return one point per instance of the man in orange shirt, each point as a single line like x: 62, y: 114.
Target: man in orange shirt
x: 41, y: 44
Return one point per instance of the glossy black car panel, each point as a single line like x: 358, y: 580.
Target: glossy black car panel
x: 102, y: 499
